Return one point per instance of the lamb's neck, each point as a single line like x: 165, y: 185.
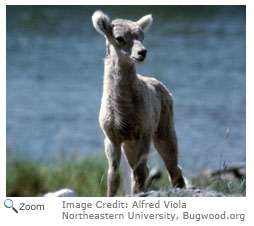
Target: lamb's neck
x: 120, y: 70
x: 120, y: 78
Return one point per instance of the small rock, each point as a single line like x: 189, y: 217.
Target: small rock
x: 65, y: 192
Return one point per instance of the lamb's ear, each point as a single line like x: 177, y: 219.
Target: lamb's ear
x: 101, y: 22
x: 145, y: 22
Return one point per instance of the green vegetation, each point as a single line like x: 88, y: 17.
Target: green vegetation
x: 88, y: 177
x: 230, y: 187
x: 225, y: 186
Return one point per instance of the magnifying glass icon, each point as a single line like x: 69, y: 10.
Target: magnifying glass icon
x: 8, y: 203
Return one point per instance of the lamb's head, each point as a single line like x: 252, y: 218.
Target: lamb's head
x: 124, y: 37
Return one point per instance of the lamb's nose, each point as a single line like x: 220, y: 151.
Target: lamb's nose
x: 142, y: 52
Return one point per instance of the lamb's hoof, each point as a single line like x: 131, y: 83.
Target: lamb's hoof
x: 179, y: 183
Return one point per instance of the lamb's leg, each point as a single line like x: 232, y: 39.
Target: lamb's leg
x: 167, y: 149
x: 136, y: 152
x: 127, y: 178
x: 113, y: 153
x: 165, y: 141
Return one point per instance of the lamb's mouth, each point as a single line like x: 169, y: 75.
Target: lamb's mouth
x: 139, y: 59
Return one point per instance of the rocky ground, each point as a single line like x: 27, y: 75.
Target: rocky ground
x: 232, y: 174
x: 189, y: 192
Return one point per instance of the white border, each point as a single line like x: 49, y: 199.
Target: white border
x: 249, y: 96
x: 130, y: 2
x: 199, y: 204
x: 3, y: 98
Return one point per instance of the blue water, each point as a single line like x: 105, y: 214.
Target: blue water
x: 55, y: 73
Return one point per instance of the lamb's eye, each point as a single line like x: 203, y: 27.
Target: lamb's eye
x: 120, y: 40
